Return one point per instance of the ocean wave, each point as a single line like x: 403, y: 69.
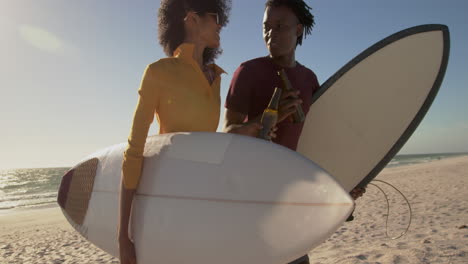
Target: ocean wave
x: 13, y: 198
x: 27, y: 203
x: 393, y: 163
x: 32, y: 205
x: 15, y: 185
x: 52, y: 202
x: 410, y: 159
x: 6, y: 207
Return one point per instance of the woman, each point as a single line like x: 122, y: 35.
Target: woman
x: 183, y: 90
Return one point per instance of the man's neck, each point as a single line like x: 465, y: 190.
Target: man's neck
x: 286, y: 61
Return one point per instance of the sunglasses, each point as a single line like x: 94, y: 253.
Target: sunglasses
x: 214, y: 15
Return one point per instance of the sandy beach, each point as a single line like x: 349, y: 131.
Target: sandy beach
x: 437, y: 192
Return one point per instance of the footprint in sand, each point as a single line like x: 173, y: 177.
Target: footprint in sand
x: 402, y: 245
x: 419, y: 235
x: 399, y: 259
x: 361, y: 257
x: 8, y: 246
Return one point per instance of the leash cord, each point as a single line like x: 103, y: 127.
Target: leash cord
x: 388, y: 208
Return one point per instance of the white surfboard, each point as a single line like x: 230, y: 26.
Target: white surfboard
x: 208, y: 198
x: 362, y: 116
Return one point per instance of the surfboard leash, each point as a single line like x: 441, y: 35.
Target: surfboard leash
x: 388, y: 208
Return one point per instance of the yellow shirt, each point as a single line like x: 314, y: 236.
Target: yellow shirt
x: 178, y: 93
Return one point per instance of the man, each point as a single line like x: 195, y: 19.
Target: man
x: 254, y: 81
x: 284, y: 24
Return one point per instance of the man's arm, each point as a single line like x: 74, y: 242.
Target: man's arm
x: 355, y: 194
x: 234, y: 123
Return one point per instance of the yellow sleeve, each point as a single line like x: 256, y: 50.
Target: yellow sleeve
x: 142, y: 119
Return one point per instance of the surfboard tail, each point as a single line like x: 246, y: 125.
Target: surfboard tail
x: 75, y: 191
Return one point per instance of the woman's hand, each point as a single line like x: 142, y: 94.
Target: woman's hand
x: 126, y: 246
x: 127, y: 250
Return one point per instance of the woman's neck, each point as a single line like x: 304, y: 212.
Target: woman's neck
x: 197, y: 51
x: 198, y: 54
x: 198, y: 57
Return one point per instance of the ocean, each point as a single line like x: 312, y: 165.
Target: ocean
x: 26, y: 188
x: 20, y: 188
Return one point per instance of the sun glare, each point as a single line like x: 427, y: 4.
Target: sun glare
x: 41, y: 39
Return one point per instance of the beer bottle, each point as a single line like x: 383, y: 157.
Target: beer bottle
x: 298, y: 116
x: 270, y: 115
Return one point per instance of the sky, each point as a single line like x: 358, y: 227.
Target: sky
x: 70, y: 70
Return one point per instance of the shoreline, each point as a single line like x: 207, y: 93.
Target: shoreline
x: 27, y: 208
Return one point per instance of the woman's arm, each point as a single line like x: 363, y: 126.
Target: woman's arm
x: 126, y: 246
x: 133, y: 161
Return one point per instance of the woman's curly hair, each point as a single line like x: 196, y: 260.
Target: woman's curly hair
x: 171, y: 22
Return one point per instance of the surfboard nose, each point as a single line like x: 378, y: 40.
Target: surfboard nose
x: 75, y: 190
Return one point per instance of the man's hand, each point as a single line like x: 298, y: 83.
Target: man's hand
x: 357, y: 192
x: 127, y: 250
x: 287, y: 107
x: 247, y: 129
x: 273, y: 132
x: 234, y: 123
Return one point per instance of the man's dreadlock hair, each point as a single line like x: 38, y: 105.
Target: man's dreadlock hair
x: 302, y: 12
x: 171, y: 22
